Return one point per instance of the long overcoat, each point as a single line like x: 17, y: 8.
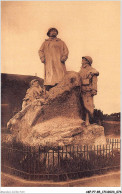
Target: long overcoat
x: 53, y: 53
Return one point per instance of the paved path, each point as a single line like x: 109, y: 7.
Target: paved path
x: 107, y: 180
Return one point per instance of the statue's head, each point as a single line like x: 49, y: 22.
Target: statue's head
x: 52, y: 32
x: 34, y: 82
x: 86, y: 60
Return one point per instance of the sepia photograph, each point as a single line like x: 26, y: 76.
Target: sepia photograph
x: 60, y: 96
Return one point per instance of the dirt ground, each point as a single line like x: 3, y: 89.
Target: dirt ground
x: 111, y: 179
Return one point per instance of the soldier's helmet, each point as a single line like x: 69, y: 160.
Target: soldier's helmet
x: 88, y: 58
x: 48, y: 33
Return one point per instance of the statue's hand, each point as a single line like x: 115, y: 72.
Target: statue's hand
x: 43, y: 59
x: 90, y: 75
x: 94, y: 92
x: 63, y: 59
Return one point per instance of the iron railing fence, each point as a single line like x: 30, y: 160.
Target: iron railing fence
x: 59, y: 163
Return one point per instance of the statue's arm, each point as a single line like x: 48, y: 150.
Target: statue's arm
x: 41, y: 53
x: 65, y: 53
x: 94, y: 85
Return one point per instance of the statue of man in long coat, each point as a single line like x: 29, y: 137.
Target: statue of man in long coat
x: 53, y: 53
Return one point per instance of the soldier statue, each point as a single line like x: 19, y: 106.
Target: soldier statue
x: 88, y: 86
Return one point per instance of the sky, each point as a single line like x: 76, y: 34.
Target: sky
x: 89, y: 28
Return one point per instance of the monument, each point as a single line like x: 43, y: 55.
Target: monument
x: 51, y: 121
x: 55, y: 118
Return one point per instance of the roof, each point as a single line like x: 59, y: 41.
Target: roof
x: 17, y: 77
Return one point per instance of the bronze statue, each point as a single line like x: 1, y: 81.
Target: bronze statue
x: 88, y: 86
x: 53, y: 53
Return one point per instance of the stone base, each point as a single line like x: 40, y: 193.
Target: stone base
x: 61, y: 131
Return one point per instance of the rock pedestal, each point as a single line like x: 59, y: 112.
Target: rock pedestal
x: 55, y: 119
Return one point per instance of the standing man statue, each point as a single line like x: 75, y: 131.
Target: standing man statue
x: 88, y: 86
x: 53, y: 53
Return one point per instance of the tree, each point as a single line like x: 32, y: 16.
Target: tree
x: 97, y: 117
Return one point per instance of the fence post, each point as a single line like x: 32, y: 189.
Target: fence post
x: 120, y: 145
x: 66, y: 151
x: 58, y: 157
x: 87, y: 156
x: 103, y: 151
x: 95, y: 155
x: 34, y: 154
x: 30, y: 151
x: 73, y: 152
x: 106, y: 150
x: 58, y: 162
x: 87, y: 152
x: 11, y: 157
x: 115, y: 143
x: 97, y: 150
x: 100, y: 151
x: 112, y: 140
x: 77, y: 151
x: 109, y: 150
x: 84, y: 150
x: 107, y: 140
x: 62, y: 152
x: 48, y: 158
x: 39, y: 159
x: 27, y: 162
x: 112, y: 146
x: 70, y: 150
x: 53, y: 158
x: 21, y: 154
